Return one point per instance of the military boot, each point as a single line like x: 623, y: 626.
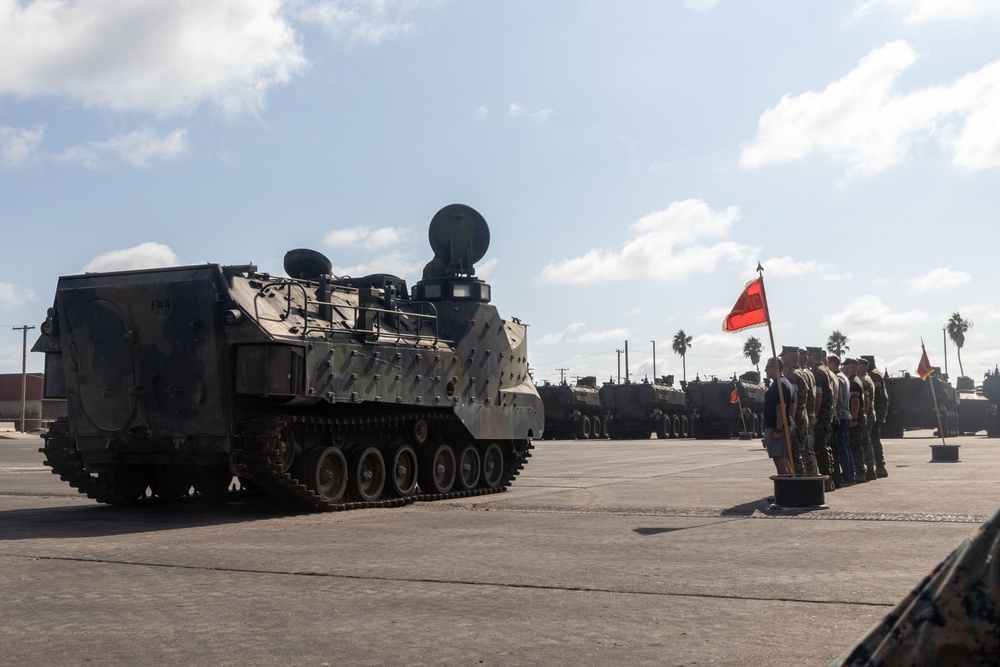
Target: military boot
x: 870, y: 473
x: 829, y: 485
x: 880, y: 471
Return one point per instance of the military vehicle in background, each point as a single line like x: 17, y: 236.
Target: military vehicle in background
x: 723, y: 409
x: 574, y: 411
x: 638, y: 409
x: 991, y: 392
x: 971, y: 406
x: 328, y: 392
x: 911, y: 405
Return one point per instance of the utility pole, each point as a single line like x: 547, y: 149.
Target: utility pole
x: 619, y: 365
x: 654, y: 361
x: 944, y: 337
x: 562, y: 375
x: 24, y: 370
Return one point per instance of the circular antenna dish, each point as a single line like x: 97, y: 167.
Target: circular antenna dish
x: 306, y: 264
x: 459, y: 236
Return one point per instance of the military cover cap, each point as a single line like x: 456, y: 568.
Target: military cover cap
x: 833, y: 357
x: 788, y: 349
x: 849, y: 361
x: 802, y: 351
x: 863, y: 361
x: 814, y: 350
x: 870, y: 359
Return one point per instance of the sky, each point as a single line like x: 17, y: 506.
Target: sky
x: 635, y: 161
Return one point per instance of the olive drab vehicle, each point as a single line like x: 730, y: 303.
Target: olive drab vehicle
x: 911, y: 405
x: 331, y: 393
x: 971, y: 406
x: 717, y: 412
x: 574, y: 411
x: 638, y: 409
x: 991, y: 391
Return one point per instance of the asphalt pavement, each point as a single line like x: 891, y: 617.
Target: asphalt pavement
x: 661, y: 552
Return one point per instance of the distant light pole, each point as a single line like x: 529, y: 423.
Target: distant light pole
x: 619, y: 365
x: 944, y: 337
x: 654, y: 360
x: 24, y: 370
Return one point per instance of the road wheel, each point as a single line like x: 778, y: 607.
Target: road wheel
x: 469, y: 468
x: 492, y: 466
x: 596, y: 427
x: 326, y: 474
x: 402, y: 475
x: 438, y: 475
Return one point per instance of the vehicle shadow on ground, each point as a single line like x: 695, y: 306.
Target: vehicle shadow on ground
x: 105, y: 520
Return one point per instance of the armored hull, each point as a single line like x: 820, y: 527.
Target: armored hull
x: 714, y: 412
x: 331, y: 393
x: 574, y: 411
x: 639, y: 409
x: 911, y: 405
x: 991, y: 418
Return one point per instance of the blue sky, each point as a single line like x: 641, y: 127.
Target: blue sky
x: 634, y: 160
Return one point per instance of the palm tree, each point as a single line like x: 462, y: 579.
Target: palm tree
x: 956, y: 331
x: 837, y: 344
x: 681, y: 344
x: 752, y: 350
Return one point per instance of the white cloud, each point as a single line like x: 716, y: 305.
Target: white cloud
x: 369, y: 21
x: 923, y: 11
x: 860, y: 122
x: 574, y: 333
x: 664, y: 245
x: 138, y: 148
x: 939, y: 279
x: 395, y: 263
x: 12, y: 296
x: 483, y: 269
x: 157, y: 56
x: 517, y: 109
x: 366, y: 237
x: 869, y: 311
x: 701, y: 5
x: 147, y: 255
x: 878, y: 338
x: 17, y: 144
x: 789, y: 267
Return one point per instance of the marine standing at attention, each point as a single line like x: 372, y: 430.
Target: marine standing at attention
x: 826, y: 395
x: 866, y: 428
x: 845, y: 460
x: 774, y: 425
x: 804, y: 458
x: 881, y: 399
x: 857, y: 407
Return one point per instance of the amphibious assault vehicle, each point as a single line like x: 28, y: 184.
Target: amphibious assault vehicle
x: 911, y: 405
x: 991, y: 391
x: 639, y: 408
x: 328, y: 392
x: 716, y: 412
x: 574, y: 411
x: 972, y: 406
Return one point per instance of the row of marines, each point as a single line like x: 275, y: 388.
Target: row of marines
x: 834, y: 412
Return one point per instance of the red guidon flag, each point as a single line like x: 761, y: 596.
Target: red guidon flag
x: 750, y: 309
x: 734, y: 397
x: 924, y: 367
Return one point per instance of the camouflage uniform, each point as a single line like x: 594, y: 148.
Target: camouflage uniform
x: 803, y: 458
x: 857, y: 426
x: 826, y: 398
x: 869, y: 408
x: 881, y: 401
x: 951, y: 618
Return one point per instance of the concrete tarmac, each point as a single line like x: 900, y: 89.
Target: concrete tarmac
x: 601, y: 553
